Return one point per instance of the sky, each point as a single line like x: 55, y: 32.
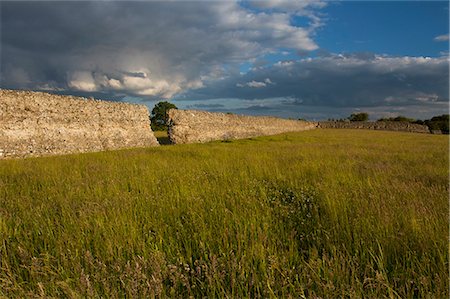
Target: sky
x: 294, y: 59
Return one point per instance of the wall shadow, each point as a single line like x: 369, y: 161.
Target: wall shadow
x: 162, y: 137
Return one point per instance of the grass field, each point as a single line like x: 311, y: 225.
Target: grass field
x: 323, y: 213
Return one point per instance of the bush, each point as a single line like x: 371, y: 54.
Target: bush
x: 439, y: 123
x: 398, y: 118
x: 159, y: 118
x: 362, y: 116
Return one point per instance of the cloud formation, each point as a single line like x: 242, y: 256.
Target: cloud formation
x: 145, y: 49
x: 441, y: 38
x: 255, y: 84
x: 191, y: 52
x: 346, y: 82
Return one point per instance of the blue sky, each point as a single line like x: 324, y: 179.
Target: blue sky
x: 403, y: 28
x: 398, y: 28
x: 300, y: 59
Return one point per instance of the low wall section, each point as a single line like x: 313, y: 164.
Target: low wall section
x: 379, y: 125
x: 37, y: 124
x: 191, y: 126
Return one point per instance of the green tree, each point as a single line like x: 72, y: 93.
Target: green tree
x: 398, y: 118
x: 440, y: 122
x: 362, y: 116
x: 159, y: 117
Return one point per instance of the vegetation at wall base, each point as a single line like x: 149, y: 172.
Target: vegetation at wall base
x: 436, y: 123
x: 322, y: 213
x: 440, y: 122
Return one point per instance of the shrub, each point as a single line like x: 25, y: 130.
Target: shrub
x: 159, y: 118
x: 439, y: 123
x: 362, y: 116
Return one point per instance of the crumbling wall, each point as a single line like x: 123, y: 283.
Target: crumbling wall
x: 37, y: 124
x: 379, y: 125
x: 191, y: 126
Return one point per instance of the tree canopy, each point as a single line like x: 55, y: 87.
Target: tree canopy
x: 440, y: 122
x: 362, y: 116
x: 159, y: 117
x: 398, y: 118
x: 436, y: 123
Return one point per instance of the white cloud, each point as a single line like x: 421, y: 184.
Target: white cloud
x: 193, y: 50
x: 288, y: 5
x: 82, y: 81
x: 342, y: 81
x: 256, y: 84
x: 284, y: 63
x: 442, y: 38
x: 115, y: 84
x: 157, y: 49
x: 296, y: 7
x: 427, y: 97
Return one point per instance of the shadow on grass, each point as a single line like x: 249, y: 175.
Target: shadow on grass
x: 162, y: 137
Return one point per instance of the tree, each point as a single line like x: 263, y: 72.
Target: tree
x: 362, y: 116
x: 440, y: 122
x: 398, y: 118
x: 159, y: 117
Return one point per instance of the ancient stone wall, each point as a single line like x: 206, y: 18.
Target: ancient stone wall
x: 191, y: 126
x: 379, y: 125
x: 37, y: 124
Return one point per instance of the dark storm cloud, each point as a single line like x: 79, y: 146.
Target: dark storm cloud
x: 147, y: 49
x: 340, y: 81
x: 205, y: 106
x: 258, y: 108
x: 193, y: 50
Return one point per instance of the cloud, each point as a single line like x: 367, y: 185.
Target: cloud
x: 193, y: 50
x: 258, y: 108
x: 145, y: 49
x: 82, y: 81
x: 342, y: 82
x: 205, y: 106
x: 298, y: 6
x: 441, y: 38
x: 255, y: 84
x: 295, y: 7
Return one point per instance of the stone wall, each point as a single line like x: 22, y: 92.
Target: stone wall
x: 37, y: 124
x: 191, y: 126
x: 379, y: 125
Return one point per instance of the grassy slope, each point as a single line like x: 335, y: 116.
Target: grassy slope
x: 326, y: 213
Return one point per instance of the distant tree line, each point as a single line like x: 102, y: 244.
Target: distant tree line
x: 160, y: 119
x: 362, y: 116
x: 398, y: 118
x: 436, y: 123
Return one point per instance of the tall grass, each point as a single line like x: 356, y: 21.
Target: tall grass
x: 324, y: 213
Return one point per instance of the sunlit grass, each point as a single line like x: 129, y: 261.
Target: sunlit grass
x: 329, y: 213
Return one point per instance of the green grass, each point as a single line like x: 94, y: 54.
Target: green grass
x: 323, y: 213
